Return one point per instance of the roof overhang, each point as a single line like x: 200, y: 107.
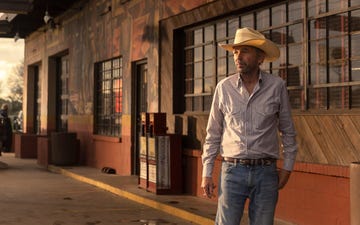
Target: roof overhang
x: 26, y: 16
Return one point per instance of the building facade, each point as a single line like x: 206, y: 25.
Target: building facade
x: 100, y: 64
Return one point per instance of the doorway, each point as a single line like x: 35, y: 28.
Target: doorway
x: 139, y: 98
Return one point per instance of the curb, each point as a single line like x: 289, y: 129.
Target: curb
x: 145, y: 201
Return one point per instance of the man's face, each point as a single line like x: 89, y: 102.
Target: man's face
x: 247, y: 59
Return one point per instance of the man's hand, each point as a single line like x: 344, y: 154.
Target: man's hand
x: 283, y: 177
x: 208, y: 186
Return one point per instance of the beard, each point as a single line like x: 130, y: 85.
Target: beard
x: 245, y: 68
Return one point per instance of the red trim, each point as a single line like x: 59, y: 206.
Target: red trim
x: 106, y: 138
x: 323, y: 169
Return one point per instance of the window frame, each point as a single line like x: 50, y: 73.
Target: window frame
x: 300, y: 89
x: 108, y: 97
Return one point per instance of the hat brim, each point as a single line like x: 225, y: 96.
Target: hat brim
x: 272, y: 52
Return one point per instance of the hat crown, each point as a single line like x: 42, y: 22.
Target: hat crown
x: 246, y: 34
x: 250, y: 37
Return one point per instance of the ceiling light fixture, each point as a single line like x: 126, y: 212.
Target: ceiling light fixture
x: 47, y: 17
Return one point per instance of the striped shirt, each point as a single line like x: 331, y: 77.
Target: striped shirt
x: 246, y: 126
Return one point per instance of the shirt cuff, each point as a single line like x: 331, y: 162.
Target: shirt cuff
x: 288, y: 164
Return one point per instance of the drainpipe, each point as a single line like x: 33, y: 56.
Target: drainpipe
x: 355, y: 193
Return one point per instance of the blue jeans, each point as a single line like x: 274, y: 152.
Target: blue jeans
x: 239, y: 182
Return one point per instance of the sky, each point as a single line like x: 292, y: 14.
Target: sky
x: 11, y: 53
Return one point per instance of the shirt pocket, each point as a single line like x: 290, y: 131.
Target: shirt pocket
x: 236, y: 117
x: 265, y: 115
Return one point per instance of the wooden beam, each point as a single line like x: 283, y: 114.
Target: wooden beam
x: 16, y: 6
x: 4, y: 27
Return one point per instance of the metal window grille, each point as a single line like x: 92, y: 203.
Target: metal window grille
x: 319, y: 45
x: 108, y: 97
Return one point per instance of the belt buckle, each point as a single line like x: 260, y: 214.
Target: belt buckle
x: 253, y: 162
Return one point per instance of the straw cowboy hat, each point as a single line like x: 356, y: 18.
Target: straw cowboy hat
x: 250, y: 37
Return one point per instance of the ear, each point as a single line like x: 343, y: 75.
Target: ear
x: 261, y: 59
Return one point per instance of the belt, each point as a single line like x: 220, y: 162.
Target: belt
x: 251, y: 162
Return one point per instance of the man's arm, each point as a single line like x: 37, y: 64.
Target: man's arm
x: 288, y: 138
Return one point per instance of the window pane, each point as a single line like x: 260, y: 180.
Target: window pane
x: 198, y: 70
x: 293, y: 76
x: 295, y: 99
x: 317, y: 98
x: 295, y: 55
x: 355, y: 45
x: 318, y: 52
x: 278, y: 14
x: 189, y: 103
x: 337, y: 4
x: 339, y: 98
x: 338, y: 48
x: 189, y: 86
x: 189, y: 55
x: 209, y: 68
x: 295, y: 10
x: 316, y: 7
x: 233, y: 24
x: 198, y: 103
x: 296, y: 33
x: 221, y: 67
x: 209, y: 52
x: 318, y: 28
x: 355, y: 20
x: 189, y: 71
x: 337, y: 24
x: 198, y: 86
x: 355, y: 97
x: 355, y: 70
x: 339, y: 73
x: 231, y: 65
x: 198, y: 54
x: 189, y: 40
x: 209, y: 33
x: 318, y: 74
x: 220, y: 30
x: 247, y: 21
x: 262, y: 19
x: 198, y: 36
x: 209, y: 86
x: 355, y: 2
x: 279, y: 36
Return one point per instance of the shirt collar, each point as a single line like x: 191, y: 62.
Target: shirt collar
x: 239, y: 80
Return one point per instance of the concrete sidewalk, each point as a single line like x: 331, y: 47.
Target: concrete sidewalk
x: 191, y: 208
x: 194, y: 209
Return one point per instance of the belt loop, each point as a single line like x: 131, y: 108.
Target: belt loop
x: 235, y: 162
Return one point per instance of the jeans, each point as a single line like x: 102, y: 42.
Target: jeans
x: 239, y: 182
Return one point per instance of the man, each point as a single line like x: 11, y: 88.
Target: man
x: 248, y: 110
x: 5, y: 130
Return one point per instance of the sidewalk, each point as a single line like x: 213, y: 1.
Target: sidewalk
x: 194, y: 209
x: 191, y: 208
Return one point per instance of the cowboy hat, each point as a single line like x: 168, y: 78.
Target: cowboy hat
x: 250, y: 37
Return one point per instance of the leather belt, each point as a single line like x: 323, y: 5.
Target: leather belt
x: 251, y: 162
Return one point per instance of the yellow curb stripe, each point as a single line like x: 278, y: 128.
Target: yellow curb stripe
x: 148, y: 202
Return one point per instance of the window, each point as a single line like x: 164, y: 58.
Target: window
x: 321, y: 67
x: 108, y: 97
x: 63, y: 93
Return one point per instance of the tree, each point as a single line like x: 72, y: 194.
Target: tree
x: 14, y: 83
